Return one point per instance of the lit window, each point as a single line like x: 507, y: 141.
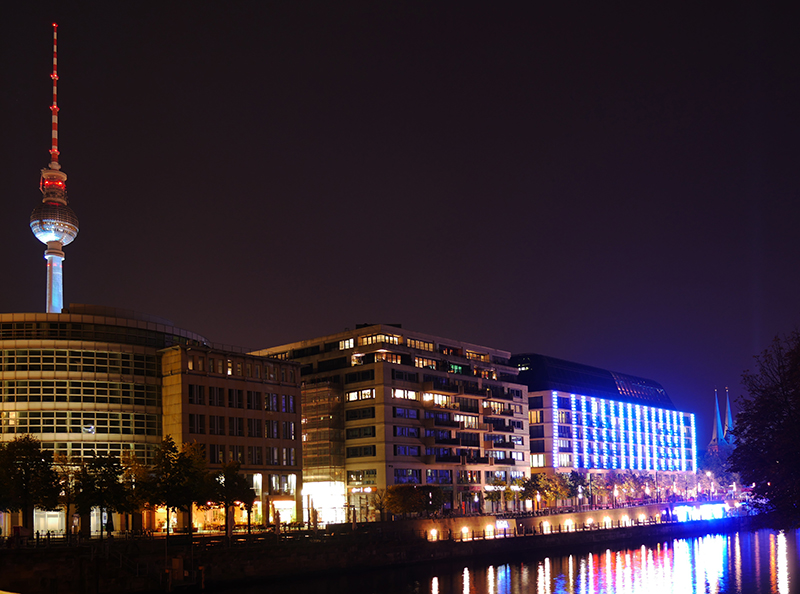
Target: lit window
x: 405, y: 394
x: 378, y: 338
x: 365, y: 394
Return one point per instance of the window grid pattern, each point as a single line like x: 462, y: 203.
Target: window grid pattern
x: 88, y: 423
x: 619, y: 435
x: 82, y: 361
x: 74, y: 391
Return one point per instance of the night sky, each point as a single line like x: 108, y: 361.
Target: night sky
x: 610, y: 183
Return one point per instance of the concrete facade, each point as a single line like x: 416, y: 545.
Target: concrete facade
x: 403, y: 407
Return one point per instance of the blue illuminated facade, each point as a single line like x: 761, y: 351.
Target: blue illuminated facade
x: 589, y: 419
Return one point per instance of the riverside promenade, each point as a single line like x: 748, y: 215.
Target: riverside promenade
x: 208, y: 561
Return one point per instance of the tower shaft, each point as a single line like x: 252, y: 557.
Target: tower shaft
x: 55, y: 279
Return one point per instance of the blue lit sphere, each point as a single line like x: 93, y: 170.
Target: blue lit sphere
x: 52, y: 221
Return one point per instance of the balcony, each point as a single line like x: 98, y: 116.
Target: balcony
x: 430, y: 441
x: 443, y: 386
x: 476, y: 460
x: 499, y: 444
x: 448, y: 459
x: 439, y: 422
x: 501, y: 428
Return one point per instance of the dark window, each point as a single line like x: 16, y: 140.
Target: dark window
x: 405, y: 413
x: 332, y: 364
x: 360, y: 413
x: 359, y: 376
x: 360, y: 451
x: 361, y: 432
x: 405, y: 376
x: 197, y: 394
x: 537, y: 446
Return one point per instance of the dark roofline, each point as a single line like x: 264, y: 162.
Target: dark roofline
x: 540, y: 372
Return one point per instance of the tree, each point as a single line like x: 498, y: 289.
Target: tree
x: 134, y: 478
x: 67, y: 471
x: 177, y: 479
x: 379, y: 502
x: 531, y: 486
x: 400, y: 499
x: 228, y: 488
x: 495, y: 494
x: 767, y: 451
x: 576, y: 484
x: 99, y: 484
x: 555, y: 488
x: 406, y: 499
x: 27, y: 477
x: 632, y: 485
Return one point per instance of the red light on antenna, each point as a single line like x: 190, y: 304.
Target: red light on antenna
x: 55, y: 25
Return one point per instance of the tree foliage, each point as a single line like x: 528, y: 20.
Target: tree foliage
x: 405, y: 499
x: 27, y: 478
x: 227, y: 488
x: 767, y: 451
x: 99, y: 484
x: 178, y: 477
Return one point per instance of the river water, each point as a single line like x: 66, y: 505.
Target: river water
x: 759, y: 562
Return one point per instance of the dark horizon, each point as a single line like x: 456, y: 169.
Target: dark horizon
x: 613, y: 186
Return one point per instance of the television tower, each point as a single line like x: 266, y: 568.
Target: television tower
x: 53, y: 222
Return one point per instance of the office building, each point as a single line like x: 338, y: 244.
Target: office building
x: 99, y: 381
x: 387, y: 406
x: 593, y: 420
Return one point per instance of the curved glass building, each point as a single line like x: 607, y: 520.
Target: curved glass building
x: 85, y: 382
x: 101, y: 381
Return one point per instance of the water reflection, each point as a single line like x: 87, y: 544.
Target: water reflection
x: 762, y: 562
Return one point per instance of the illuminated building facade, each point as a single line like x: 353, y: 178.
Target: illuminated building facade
x: 241, y: 408
x: 385, y: 406
x: 592, y: 420
x: 99, y: 381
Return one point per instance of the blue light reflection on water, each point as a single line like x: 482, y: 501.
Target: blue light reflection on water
x: 762, y: 562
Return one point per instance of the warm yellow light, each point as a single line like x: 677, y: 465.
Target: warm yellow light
x: 590, y: 521
x: 546, y: 527
x: 642, y: 517
x: 434, y: 534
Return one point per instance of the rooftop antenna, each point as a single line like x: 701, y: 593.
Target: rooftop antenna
x: 53, y: 222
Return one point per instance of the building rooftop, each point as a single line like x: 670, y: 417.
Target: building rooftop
x: 540, y: 373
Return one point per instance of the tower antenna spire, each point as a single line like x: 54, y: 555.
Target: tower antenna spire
x: 53, y: 222
x: 54, y: 107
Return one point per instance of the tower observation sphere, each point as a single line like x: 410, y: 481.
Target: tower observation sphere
x: 53, y: 222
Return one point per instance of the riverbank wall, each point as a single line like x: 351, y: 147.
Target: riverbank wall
x: 208, y: 563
